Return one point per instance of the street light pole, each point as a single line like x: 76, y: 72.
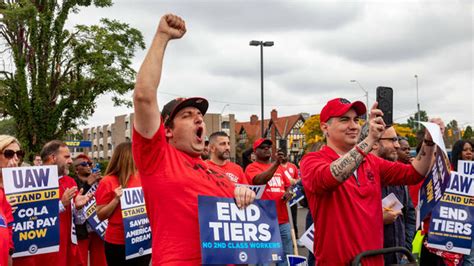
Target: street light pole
x: 261, y: 44
x: 366, y: 93
x: 417, y: 101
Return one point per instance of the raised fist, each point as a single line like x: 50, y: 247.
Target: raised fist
x: 172, y: 26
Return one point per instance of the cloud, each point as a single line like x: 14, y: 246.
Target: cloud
x: 319, y: 47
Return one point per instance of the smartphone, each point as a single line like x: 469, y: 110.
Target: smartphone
x: 385, y: 101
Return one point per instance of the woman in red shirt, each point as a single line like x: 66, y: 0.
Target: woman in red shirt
x: 10, y: 156
x: 121, y: 173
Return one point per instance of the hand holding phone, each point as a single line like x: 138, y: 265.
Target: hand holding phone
x: 385, y: 103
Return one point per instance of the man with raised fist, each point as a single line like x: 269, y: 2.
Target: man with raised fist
x: 167, y: 146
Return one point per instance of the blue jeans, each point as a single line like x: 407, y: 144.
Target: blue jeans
x: 285, y: 233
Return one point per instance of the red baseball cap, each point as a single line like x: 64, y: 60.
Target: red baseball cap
x: 339, y: 106
x: 261, y: 141
x: 174, y: 106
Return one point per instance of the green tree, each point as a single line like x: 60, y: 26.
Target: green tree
x: 412, y: 119
x: 58, y: 73
x: 7, y: 127
x: 468, y: 134
x: 312, y: 130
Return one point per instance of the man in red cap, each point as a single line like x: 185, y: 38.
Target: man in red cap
x: 166, y: 149
x: 343, y: 183
x: 263, y: 172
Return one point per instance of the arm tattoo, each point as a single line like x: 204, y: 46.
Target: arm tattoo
x: 343, y: 167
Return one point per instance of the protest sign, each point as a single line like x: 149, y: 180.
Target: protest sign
x: 91, y: 215
x: 294, y: 260
x: 135, y: 223
x: 233, y: 235
x: 36, y: 223
x: 433, y: 186
x: 453, y: 217
x: 297, y: 195
x: 307, y: 239
x: 258, y: 189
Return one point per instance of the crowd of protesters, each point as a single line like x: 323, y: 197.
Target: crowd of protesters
x: 344, y: 182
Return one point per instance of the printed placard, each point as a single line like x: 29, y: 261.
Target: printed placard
x: 294, y: 260
x: 307, y: 239
x: 135, y: 223
x: 233, y: 235
x: 97, y: 225
x: 452, y: 219
x: 433, y: 186
x: 258, y: 189
x: 36, y: 222
x: 297, y: 195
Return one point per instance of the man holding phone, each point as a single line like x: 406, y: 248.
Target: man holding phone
x: 271, y: 174
x: 343, y: 183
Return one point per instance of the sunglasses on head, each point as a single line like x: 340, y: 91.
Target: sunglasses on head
x: 86, y: 164
x: 10, y: 153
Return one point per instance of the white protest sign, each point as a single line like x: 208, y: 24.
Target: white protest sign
x: 307, y: 239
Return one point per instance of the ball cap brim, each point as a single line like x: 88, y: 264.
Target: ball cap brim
x: 339, y: 106
x: 261, y: 141
x: 174, y: 106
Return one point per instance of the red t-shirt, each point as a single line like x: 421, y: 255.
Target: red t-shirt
x: 290, y: 170
x: 274, y: 189
x: 114, y: 233
x: 347, y: 216
x: 171, y: 181
x: 232, y: 170
x: 6, y: 220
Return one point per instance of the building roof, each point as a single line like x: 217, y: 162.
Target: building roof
x: 283, y: 126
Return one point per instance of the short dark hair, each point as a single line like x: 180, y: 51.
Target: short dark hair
x: 216, y: 134
x: 51, y: 148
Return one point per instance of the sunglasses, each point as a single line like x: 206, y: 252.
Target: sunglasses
x: 85, y: 164
x: 10, y: 153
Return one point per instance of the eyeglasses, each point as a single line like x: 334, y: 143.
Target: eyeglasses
x: 10, y: 153
x: 394, y: 139
x: 84, y: 164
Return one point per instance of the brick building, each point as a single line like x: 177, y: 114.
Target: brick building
x: 104, y: 138
x: 283, y: 131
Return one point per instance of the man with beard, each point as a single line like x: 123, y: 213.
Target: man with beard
x: 219, y: 148
x: 263, y: 172
x: 57, y: 153
x: 399, y: 226
x: 89, y: 242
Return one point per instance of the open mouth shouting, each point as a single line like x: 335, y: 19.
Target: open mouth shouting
x: 199, y: 134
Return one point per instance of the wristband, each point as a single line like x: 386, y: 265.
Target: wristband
x: 428, y: 142
x: 359, y: 150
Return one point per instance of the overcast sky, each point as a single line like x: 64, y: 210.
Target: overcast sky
x: 319, y: 47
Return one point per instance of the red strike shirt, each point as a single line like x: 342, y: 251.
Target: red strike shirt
x: 347, y: 216
x: 232, y: 170
x: 6, y: 220
x: 171, y: 181
x: 290, y: 170
x: 105, y: 193
x: 274, y: 189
